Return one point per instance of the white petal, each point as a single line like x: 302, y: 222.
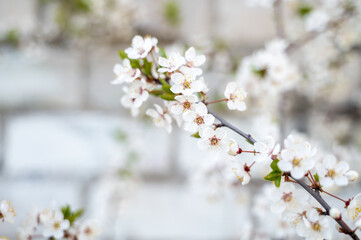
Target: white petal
x: 297, y: 172
x: 284, y: 165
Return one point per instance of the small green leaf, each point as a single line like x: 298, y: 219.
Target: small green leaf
x: 304, y: 10
x: 167, y: 96
x: 135, y: 63
x: 147, y: 68
x: 196, y: 135
x: 162, y: 52
x: 272, y: 176
x: 122, y: 54
x: 157, y: 92
x: 274, y: 165
x: 70, y: 215
x: 166, y: 89
x: 317, y: 178
x: 278, y: 182
x: 163, y: 82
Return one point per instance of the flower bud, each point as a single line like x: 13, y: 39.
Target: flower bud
x: 352, y: 175
x: 233, y: 147
x: 335, y: 213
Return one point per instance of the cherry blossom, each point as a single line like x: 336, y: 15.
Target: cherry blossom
x: 184, y: 104
x: 185, y: 81
x: 140, y: 47
x: 198, y: 118
x: 353, y: 209
x: 194, y: 61
x: 315, y: 227
x: 88, y: 231
x: 332, y: 172
x: 266, y: 148
x: 125, y: 72
x: 236, y: 96
x: 55, y: 224
x: 160, y: 118
x: 171, y: 64
x: 136, y: 94
x: 7, y: 212
x: 213, y: 139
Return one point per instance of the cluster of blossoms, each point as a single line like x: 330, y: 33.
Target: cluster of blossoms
x: 178, y: 80
x: 58, y: 224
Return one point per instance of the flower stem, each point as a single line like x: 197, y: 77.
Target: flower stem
x: 330, y: 194
x: 217, y: 101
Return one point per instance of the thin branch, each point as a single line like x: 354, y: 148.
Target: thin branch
x: 316, y: 195
x: 312, y: 35
x: 217, y: 101
x: 230, y: 126
x: 330, y: 194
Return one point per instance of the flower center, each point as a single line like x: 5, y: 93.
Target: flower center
x: 199, y: 120
x: 214, y: 141
x: 186, y: 105
x: 56, y: 225
x: 316, y: 226
x: 287, y: 197
x: 88, y: 231
x: 331, y: 173
x: 296, y: 162
x: 187, y: 84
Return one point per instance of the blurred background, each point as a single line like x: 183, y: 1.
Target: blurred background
x: 66, y: 139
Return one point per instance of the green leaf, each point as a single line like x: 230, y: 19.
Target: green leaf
x: 167, y: 96
x: 162, y: 52
x: 147, y: 68
x: 157, y: 92
x: 260, y: 72
x: 135, y: 63
x: 274, y: 165
x: 278, y: 182
x: 166, y: 89
x: 70, y: 215
x: 317, y: 178
x: 272, y: 176
x: 122, y: 54
x: 163, y: 82
x: 304, y: 9
x: 171, y: 12
x: 196, y: 135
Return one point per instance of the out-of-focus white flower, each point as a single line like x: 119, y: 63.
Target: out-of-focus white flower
x: 296, y: 157
x: 358, y: 224
x: 352, y: 176
x: 213, y: 139
x: 335, y: 213
x: 136, y: 94
x: 174, y: 61
x: 55, y: 224
x: 288, y: 198
x: 204, y: 89
x: 185, y: 81
x: 233, y: 147
x: 160, y: 118
x: 88, y: 231
x: 332, y: 172
x: 317, y: 20
x: 141, y: 47
x: 315, y: 226
x: 266, y: 148
x: 198, y: 118
x: 7, y: 212
x: 354, y: 208
x: 242, y: 173
x: 193, y: 60
x: 236, y: 96
x: 184, y: 104
x: 125, y: 72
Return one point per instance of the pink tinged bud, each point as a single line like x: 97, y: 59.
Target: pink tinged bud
x: 352, y: 175
x: 335, y: 213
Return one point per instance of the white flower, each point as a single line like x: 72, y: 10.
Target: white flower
x: 315, y: 227
x: 332, y: 172
x: 352, y: 176
x: 160, y: 118
x: 136, y: 94
x: 233, y: 147
x: 7, y: 212
x: 358, y: 224
x: 236, y: 96
x: 213, y: 139
x: 88, y: 231
x: 287, y: 197
x: 125, y: 72
x: 185, y: 81
x: 174, y: 61
x: 55, y: 225
x: 140, y: 47
x: 193, y: 60
x: 266, y: 148
x: 204, y: 85
x: 242, y: 173
x: 354, y: 208
x: 184, y: 104
x: 296, y: 157
x: 317, y: 20
x: 197, y: 118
